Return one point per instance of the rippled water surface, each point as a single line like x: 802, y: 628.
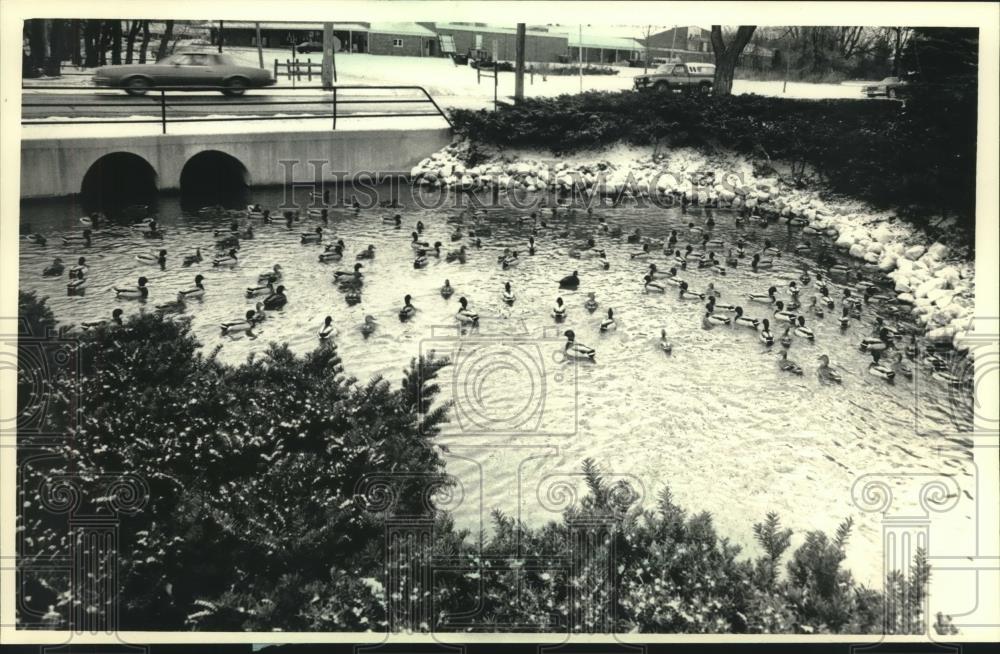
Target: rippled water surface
x: 716, y: 420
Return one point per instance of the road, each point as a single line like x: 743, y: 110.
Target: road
x: 42, y: 105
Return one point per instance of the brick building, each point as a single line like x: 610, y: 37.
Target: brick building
x: 540, y: 44
x: 689, y: 44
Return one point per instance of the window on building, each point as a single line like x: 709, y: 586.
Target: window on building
x: 397, y: 43
x: 479, y: 41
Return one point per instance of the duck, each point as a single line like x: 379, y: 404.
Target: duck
x: 949, y: 378
x: 327, y: 331
x: 876, y: 343
x: 159, y: 259
x: 77, y: 282
x: 764, y: 298
x: 192, y: 259
x: 228, y: 260
x: 508, y: 293
x: 73, y: 240
x: 116, y: 319
x: 416, y: 243
x: 465, y: 315
x: 137, y: 292
x: 531, y: 245
x: 247, y: 233
x: 458, y: 255
x: 757, y: 263
x: 901, y: 367
x: 352, y: 296
x: 651, y: 286
x: 408, y: 309
x: 559, y: 310
x: 912, y: 350
x: 347, y: 275
x: 880, y: 325
x: 839, y: 269
x: 765, y: 333
x: 685, y: 294
x: 276, y: 300
x: 198, y: 290
x: 80, y: 269
x: 878, y: 369
x: 323, y: 214
x: 643, y: 254
x: 510, y: 261
x: 575, y: 350
x: 37, y: 239
x: 804, y: 278
x: 237, y: 326
x: 396, y: 220
x: 713, y: 297
x: 787, y: 365
x: 609, y: 323
x: 814, y: 306
x: 447, y: 290
x: 256, y: 211
x: 570, y: 282
x: 770, y: 249
x: 713, y: 317
x: 845, y: 318
x: 744, y: 321
x: 420, y: 261
x: 333, y: 252
x: 672, y: 278
x: 803, y: 248
x: 434, y: 251
x: 273, y: 275
x: 591, y: 303
x: 802, y: 330
x: 264, y: 289
x: 826, y: 373
x: 786, y: 337
x: 731, y: 260
x: 176, y: 306
x: 93, y: 220
x: 635, y: 236
x: 55, y: 269
x: 664, y: 344
x: 781, y: 312
x: 315, y: 237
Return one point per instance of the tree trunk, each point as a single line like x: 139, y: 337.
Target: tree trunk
x: 897, y: 49
x: 90, y: 38
x: 144, y: 46
x: 116, y: 42
x: 104, y: 40
x: 74, y: 42
x: 168, y: 33
x: 37, y: 42
x: 727, y: 57
x: 133, y: 31
x: 57, y: 35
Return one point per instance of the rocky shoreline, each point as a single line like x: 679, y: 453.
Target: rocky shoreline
x: 931, y: 283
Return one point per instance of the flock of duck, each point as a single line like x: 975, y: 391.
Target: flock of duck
x: 783, y: 311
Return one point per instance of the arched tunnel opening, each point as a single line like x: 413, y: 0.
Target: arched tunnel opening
x: 117, y: 181
x: 214, y: 178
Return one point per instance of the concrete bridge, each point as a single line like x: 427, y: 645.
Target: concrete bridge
x: 60, y: 162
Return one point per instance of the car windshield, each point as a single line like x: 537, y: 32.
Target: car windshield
x: 197, y: 59
x: 665, y: 68
x: 890, y: 80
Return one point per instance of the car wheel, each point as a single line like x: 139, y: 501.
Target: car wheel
x: 235, y: 87
x: 137, y: 86
x: 662, y: 86
x: 891, y: 94
x: 705, y: 88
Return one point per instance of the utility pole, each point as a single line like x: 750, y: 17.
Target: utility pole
x: 580, y: 51
x: 327, y: 55
x: 519, y: 65
x: 260, y: 46
x: 220, y: 36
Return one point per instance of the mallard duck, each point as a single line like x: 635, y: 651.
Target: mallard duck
x: 685, y: 294
x: 559, y: 310
x: 591, y: 303
x: 238, y: 326
x: 368, y: 253
x: 609, y: 323
x: 272, y: 276
x: 55, y: 269
x: 333, y: 252
x: 765, y: 333
x: 447, y: 290
x: 198, y: 290
x: 570, y: 282
x: 802, y: 330
x: 765, y: 298
x: 744, y: 321
x: 664, y: 344
x: 327, y: 331
x: 651, y: 286
x: 787, y: 365
x: 137, y: 292
x: 508, y: 293
x: 276, y: 300
x: 159, y: 259
x: 826, y: 373
x: 781, y: 312
x: 575, y: 350
x: 83, y: 239
x: 465, y: 315
x: 192, y: 259
x: 265, y: 289
x: 227, y: 260
x: 314, y: 237
x: 458, y: 255
x: 116, y: 319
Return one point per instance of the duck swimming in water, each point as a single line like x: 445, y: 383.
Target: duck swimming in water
x: 878, y: 343
x: 137, y: 292
x: 228, y: 260
x: 466, y: 315
x: 159, y: 259
x: 396, y: 220
x: 609, y: 323
x: 714, y: 317
x: 765, y: 333
x: 368, y: 253
x: 276, y: 300
x: 116, y: 319
x: 447, y: 291
x: 458, y: 255
x: 198, y: 290
x: 408, y: 310
x: 814, y: 306
x: 787, y: 365
x: 765, y: 298
x: 348, y: 278
x: 685, y: 294
x: 238, y: 326
x: 192, y: 259
x: 826, y: 373
x: 508, y: 293
x: 265, y: 289
x: 559, y: 310
x: 845, y: 318
x: 802, y: 330
x: 315, y: 237
x: 75, y: 240
x: 570, y: 282
x: 651, y: 286
x: 786, y: 337
x: 591, y: 303
x: 327, y: 331
x: 575, y: 350
x: 55, y: 269
x: 273, y: 275
x: 420, y: 261
x: 664, y: 344
x: 781, y: 312
x: 416, y: 243
x: 744, y: 321
x: 333, y: 252
x: 757, y: 263
x: 878, y: 369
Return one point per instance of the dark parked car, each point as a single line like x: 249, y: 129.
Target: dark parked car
x: 889, y: 87
x: 197, y: 70
x: 309, y: 46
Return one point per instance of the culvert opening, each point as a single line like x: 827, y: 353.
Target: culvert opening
x: 214, y: 178
x: 117, y: 181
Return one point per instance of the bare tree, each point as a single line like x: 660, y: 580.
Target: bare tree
x: 74, y: 41
x: 726, y: 57
x: 91, y: 37
x: 168, y: 33
x: 131, y: 34
x: 898, y: 38
x: 144, y: 45
x: 116, y: 42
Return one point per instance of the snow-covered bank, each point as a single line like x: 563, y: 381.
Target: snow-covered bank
x: 936, y: 285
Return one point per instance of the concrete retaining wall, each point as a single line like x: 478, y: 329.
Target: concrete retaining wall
x: 56, y: 167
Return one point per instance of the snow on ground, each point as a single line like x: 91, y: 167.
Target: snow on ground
x: 457, y: 86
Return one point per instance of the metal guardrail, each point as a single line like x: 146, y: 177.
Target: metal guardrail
x: 335, y: 100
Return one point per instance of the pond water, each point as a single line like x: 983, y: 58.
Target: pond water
x: 716, y: 420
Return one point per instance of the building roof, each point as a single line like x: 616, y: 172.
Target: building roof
x: 405, y: 29
x: 499, y: 29
x: 591, y: 40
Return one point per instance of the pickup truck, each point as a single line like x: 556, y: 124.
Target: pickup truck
x: 686, y: 77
